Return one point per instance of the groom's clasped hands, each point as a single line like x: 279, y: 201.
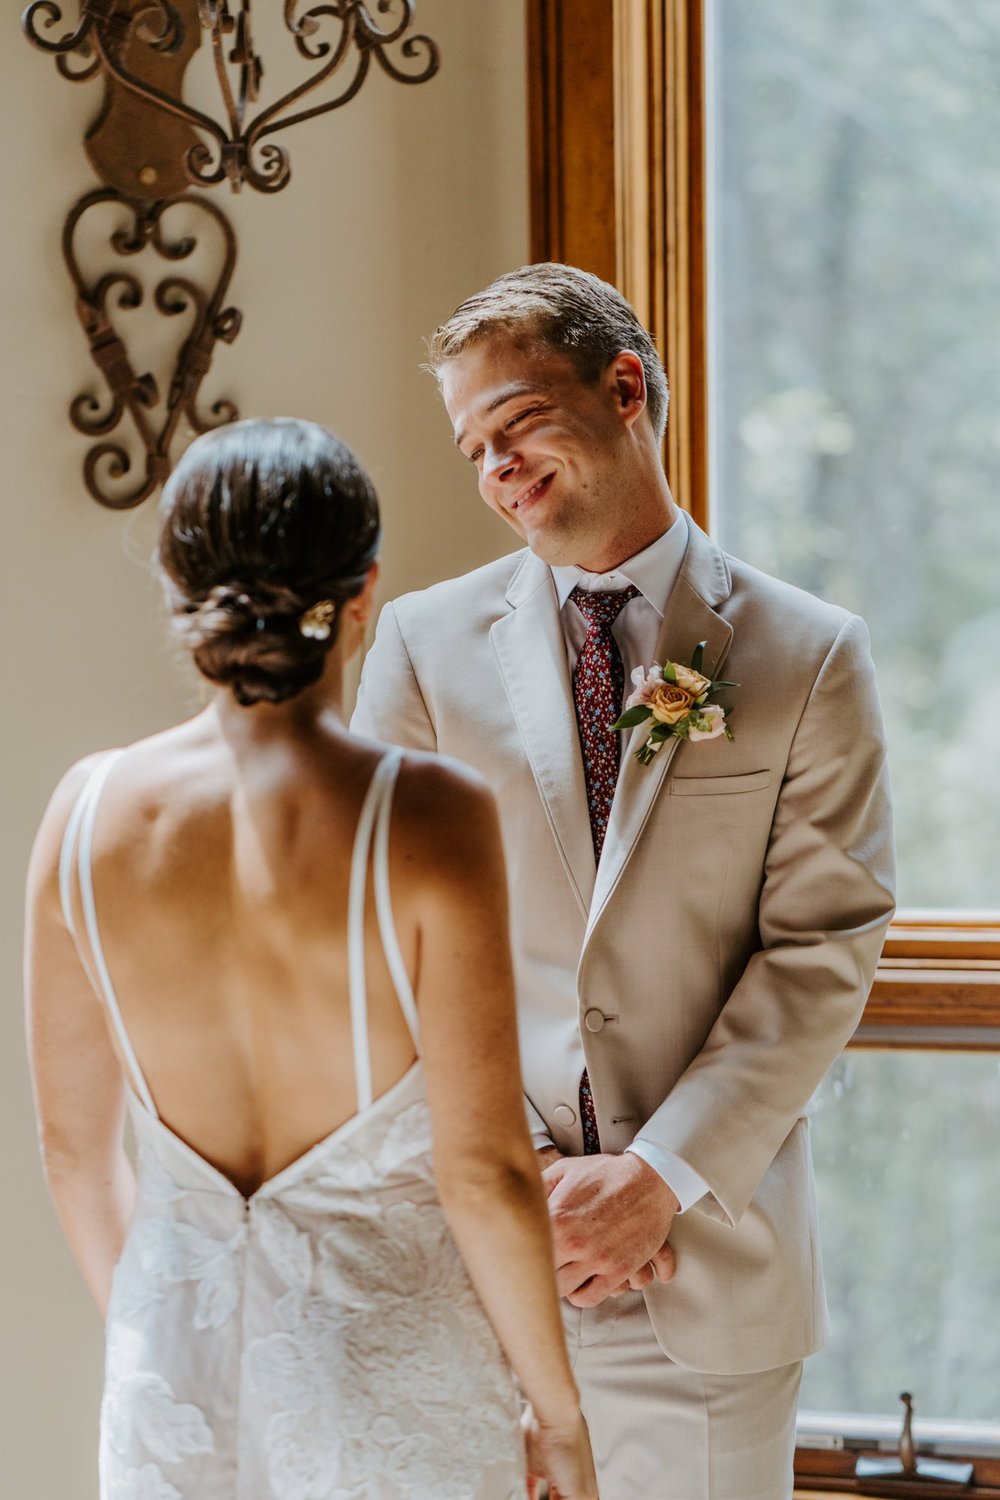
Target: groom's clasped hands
x: 611, y: 1218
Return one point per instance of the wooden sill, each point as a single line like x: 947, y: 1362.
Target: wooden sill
x: 926, y: 936
x: 944, y: 998
x: 819, y: 1472
x: 939, y: 979
x: 917, y: 1489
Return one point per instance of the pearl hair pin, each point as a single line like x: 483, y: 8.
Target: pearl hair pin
x: 317, y: 621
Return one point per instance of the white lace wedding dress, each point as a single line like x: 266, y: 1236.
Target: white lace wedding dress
x: 319, y: 1340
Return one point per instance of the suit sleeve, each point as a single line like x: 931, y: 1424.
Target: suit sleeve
x: 391, y: 706
x: 825, y: 904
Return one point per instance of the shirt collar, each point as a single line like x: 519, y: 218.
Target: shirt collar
x: 653, y: 571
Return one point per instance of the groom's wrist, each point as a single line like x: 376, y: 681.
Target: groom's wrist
x: 657, y: 1188
x: 687, y: 1185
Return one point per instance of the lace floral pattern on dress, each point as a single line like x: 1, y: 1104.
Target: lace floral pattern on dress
x: 368, y: 1371
x: 320, y: 1340
x: 147, y: 1483
x: 374, y: 1372
x: 142, y: 1417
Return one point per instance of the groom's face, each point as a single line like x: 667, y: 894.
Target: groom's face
x: 545, y: 444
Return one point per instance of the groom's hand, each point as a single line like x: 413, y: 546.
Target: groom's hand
x: 611, y: 1218
x: 660, y: 1268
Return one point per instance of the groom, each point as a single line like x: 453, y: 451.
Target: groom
x: 694, y: 937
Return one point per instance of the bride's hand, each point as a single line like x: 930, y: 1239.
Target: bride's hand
x: 561, y: 1454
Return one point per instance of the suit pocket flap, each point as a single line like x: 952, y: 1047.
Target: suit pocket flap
x: 704, y: 786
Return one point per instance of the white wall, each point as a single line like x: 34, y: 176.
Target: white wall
x: 400, y: 204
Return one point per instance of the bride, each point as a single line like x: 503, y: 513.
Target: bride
x: 282, y: 951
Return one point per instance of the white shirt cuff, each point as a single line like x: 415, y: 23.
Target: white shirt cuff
x: 540, y: 1139
x: 684, y: 1182
x: 539, y: 1130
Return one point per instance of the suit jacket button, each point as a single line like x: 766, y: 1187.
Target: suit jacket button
x: 563, y: 1115
x: 594, y: 1020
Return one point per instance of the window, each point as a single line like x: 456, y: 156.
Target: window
x: 805, y: 206
x: 854, y: 432
x: 904, y: 1143
x: 855, y: 215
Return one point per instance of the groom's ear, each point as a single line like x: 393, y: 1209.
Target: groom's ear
x: 627, y: 380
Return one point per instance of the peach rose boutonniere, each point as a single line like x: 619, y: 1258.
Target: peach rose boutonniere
x: 675, y: 698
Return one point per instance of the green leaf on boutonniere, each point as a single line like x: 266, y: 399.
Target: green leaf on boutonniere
x: 669, y: 672
x: 633, y: 716
x: 697, y: 656
x: 721, y: 684
x: 661, y: 732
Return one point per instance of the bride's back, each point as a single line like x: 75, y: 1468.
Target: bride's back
x: 221, y: 876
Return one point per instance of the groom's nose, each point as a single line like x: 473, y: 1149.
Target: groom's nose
x: 500, y: 464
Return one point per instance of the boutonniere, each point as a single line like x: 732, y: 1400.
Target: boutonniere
x: 676, y: 699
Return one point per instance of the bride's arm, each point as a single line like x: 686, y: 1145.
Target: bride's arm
x: 486, y: 1170
x: 78, y: 1088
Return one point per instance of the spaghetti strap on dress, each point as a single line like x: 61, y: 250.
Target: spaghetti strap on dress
x: 319, y: 1340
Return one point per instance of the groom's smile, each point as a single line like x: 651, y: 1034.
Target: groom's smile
x: 533, y: 493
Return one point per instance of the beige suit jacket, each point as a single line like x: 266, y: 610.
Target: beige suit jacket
x: 712, y: 966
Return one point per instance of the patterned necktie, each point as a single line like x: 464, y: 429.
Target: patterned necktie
x: 598, y: 690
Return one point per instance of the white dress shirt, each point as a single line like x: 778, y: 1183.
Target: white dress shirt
x: 653, y: 572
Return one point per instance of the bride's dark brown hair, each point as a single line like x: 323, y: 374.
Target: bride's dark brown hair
x: 259, y: 522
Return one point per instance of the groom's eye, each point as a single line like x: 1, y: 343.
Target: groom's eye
x: 528, y: 412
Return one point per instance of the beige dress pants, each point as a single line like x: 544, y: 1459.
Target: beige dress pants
x: 661, y: 1432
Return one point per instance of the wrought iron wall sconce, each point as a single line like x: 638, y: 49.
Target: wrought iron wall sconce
x: 148, y: 146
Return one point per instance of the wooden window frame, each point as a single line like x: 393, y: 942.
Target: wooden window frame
x: 937, y: 984
x: 617, y: 131
x: 617, y: 155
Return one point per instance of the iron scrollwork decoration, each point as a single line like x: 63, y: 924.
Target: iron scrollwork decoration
x: 138, y: 394
x: 240, y: 150
x: 148, y: 146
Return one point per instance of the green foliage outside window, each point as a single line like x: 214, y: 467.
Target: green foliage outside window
x: 856, y: 360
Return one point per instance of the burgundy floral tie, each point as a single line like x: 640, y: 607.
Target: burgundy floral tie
x: 598, y: 690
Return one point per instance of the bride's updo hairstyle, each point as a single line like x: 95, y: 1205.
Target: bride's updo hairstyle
x: 266, y: 528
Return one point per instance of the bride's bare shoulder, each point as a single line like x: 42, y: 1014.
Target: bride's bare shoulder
x: 440, y: 783
x: 67, y: 789
x: 147, y: 767
x: 444, y: 816
x: 155, y: 750
x: 46, y: 849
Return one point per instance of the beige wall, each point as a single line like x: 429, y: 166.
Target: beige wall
x: 399, y: 205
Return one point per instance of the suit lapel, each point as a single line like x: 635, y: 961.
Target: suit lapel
x: 531, y: 652
x: 690, y: 617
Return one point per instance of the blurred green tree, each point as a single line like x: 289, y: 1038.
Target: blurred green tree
x: 857, y: 380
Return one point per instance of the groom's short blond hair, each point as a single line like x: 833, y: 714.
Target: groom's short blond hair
x: 564, y: 309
